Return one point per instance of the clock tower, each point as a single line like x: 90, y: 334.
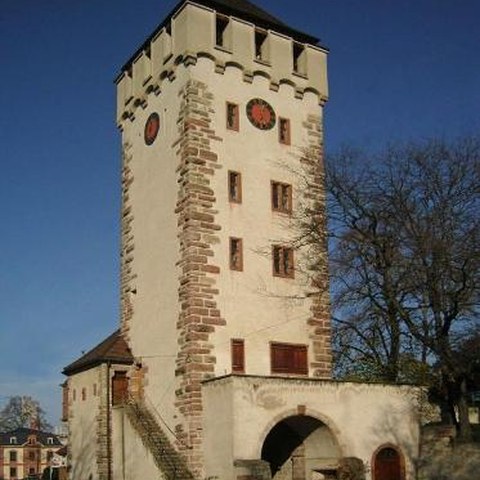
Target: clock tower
x: 222, y: 364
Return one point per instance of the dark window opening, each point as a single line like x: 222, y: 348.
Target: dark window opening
x: 299, y: 58
x: 289, y: 359
x: 236, y: 254
x: 13, y: 472
x: 281, y: 197
x: 235, y: 187
x: 233, y: 117
x: 260, y: 44
x: 284, y: 131
x: 13, y: 456
x: 221, y: 30
x: 283, y: 262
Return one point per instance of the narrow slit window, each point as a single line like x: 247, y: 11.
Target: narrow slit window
x: 299, y: 59
x: 284, y: 131
x: 281, y: 197
x: 238, y: 356
x: 221, y: 30
x: 283, y: 262
x: 235, y: 187
x: 236, y: 254
x: 261, y: 45
x: 233, y: 117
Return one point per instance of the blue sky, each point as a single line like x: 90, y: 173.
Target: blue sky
x: 398, y: 70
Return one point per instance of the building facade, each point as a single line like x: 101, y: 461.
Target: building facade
x: 224, y: 307
x: 26, y: 453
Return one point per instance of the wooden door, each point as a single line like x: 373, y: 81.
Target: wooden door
x: 388, y: 465
x: 119, y: 388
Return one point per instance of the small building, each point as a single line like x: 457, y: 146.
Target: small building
x: 25, y: 453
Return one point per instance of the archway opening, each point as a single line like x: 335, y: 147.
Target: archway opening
x: 388, y: 464
x: 299, y: 446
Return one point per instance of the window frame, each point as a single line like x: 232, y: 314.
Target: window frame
x: 223, y: 25
x: 299, y: 360
x: 235, y: 125
x: 13, y: 472
x: 299, y: 65
x: 276, y: 195
x: 235, y: 266
x: 238, y: 197
x: 237, y: 346
x: 281, y: 273
x: 261, y: 53
x: 13, y: 456
x: 287, y: 140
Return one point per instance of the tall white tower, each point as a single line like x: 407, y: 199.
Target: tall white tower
x: 221, y: 118
x: 221, y: 368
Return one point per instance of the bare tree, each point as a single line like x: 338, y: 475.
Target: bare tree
x: 405, y: 262
x: 23, y: 411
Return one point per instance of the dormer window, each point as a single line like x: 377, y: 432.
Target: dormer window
x: 31, y: 440
x: 50, y: 441
x: 222, y: 31
x: 13, y: 440
x: 299, y: 59
x: 261, y: 45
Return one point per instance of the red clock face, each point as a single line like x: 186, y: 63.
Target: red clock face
x: 261, y: 114
x: 152, y: 126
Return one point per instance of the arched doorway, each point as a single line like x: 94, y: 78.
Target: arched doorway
x: 388, y: 464
x: 298, y: 446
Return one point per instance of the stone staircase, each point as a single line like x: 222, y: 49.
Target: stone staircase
x: 170, y: 463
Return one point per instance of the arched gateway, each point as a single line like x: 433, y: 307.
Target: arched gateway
x: 298, y: 446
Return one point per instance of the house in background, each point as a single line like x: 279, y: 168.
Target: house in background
x: 26, y: 452
x: 222, y: 364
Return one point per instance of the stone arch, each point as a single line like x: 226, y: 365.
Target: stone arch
x: 296, y: 443
x: 388, y: 459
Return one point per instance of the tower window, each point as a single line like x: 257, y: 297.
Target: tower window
x: 284, y: 131
x: 289, y: 359
x: 299, y: 59
x: 221, y: 31
x: 235, y: 187
x: 261, y: 44
x: 281, y: 197
x: 233, y: 117
x: 238, y: 356
x: 236, y: 254
x: 84, y: 394
x: 283, y: 262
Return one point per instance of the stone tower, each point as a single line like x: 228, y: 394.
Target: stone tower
x: 221, y: 368
x: 221, y: 118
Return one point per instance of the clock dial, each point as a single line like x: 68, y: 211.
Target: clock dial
x: 261, y: 114
x: 152, y: 127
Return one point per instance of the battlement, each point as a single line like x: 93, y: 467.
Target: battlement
x: 195, y: 31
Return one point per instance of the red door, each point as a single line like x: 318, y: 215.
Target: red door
x: 388, y: 465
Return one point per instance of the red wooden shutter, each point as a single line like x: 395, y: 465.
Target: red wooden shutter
x: 290, y: 359
x: 119, y: 388
x: 238, y: 356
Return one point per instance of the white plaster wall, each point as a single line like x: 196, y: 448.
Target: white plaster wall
x: 362, y: 417
x: 256, y: 305
x: 153, y: 197
x: 83, y: 424
x: 130, y: 457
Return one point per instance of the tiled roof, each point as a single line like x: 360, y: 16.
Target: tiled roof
x: 20, y: 436
x: 242, y: 9
x: 113, y: 349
